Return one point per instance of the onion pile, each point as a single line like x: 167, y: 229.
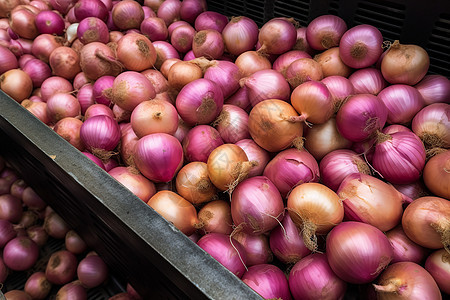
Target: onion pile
x: 261, y: 144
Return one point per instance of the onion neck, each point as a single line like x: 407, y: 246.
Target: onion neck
x: 392, y: 287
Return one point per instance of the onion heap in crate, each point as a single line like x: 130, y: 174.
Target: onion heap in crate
x: 283, y: 151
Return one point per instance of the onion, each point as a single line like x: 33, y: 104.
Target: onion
x: 314, y: 208
x: 277, y: 36
x: 135, y: 182
x: 65, y: 62
x: 176, y: 210
x: 436, y: 174
x: 98, y: 109
x: 182, y: 73
x: 169, y: 11
x: 62, y: 105
x: 215, y: 216
x: 157, y: 79
x: 361, y: 46
x: 174, y: 25
x: 128, y: 140
x: 367, y: 81
x: 283, y: 61
x: 127, y: 14
x: 6, y: 7
x: 438, y: 265
x: 227, y: 166
x: 10, y: 208
x: 165, y: 52
x: 23, y: 21
x: 405, y: 64
x: 358, y: 252
x: 226, y: 250
x: 412, y: 191
x: 267, y: 280
x: 131, y: 88
x: 240, y: 35
x: 292, y: 167
x: 211, y: 20
x: 8, y: 60
x: 399, y: 157
x: 199, y: 102
x: 312, y: 275
x: 20, y: 253
x: 17, y: 84
x: 154, y: 116
x: 37, y: 286
x: 155, y: 29
x: 406, y: 280
x: 54, y: 85
x: 74, y: 243
x: 97, y: 60
x: 339, y: 164
x: 61, y: 267
x: 182, y: 37
x: 256, y: 247
x: 254, y: 153
x: 250, y: 62
x: 193, y: 183
x: 302, y: 70
x: 153, y: 4
x: 286, y: 242
x: 51, y: 22
x: 432, y: 125
x: 368, y: 114
x: 69, y: 129
x: 38, y: 109
x: 190, y: 9
x: 55, y: 226
x: 158, y: 156
x: 29, y: 218
x: 92, y: 271
x: 44, y: 44
x: 17, y: 295
x: 325, y: 32
x: 208, y: 43
x: 37, y: 70
x: 332, y: 64
x: 136, y: 52
x: 256, y: 205
x: 95, y: 160
x: 32, y: 200
x: 225, y: 74
x: 425, y: 222
x: 72, y: 290
x: 102, y: 90
x: 200, y: 141
x: 7, y: 232
x: 92, y: 29
x: 404, y: 248
x: 240, y: 99
x: 434, y: 89
x: 90, y: 8
x: 38, y: 235
x: 232, y: 124
x: 17, y: 188
x: 266, y: 84
x: 308, y: 97
x: 271, y: 117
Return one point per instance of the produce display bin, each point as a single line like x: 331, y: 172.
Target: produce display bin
x: 139, y: 245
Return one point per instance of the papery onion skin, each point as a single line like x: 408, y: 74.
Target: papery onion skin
x: 434, y: 89
x: 97, y: 60
x: 175, y: 209
x: 143, y: 188
x: 368, y: 199
x: 438, y: 265
x: 136, y: 52
x: 404, y: 248
x: 303, y: 70
x: 406, y: 280
x: 267, y: 280
x: 199, y: 142
x: 358, y: 252
x: 240, y: 35
x: 314, y: 208
x: 256, y: 247
x: 271, y: 126
x: 436, y: 174
x: 312, y: 276
x: 226, y: 250
x: 193, y: 183
x: 432, y: 125
x: 215, y: 216
x: 256, y: 205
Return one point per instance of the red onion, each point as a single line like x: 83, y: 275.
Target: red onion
x: 226, y: 250
x: 399, y: 157
x: 256, y: 247
x: 55, y: 226
x: 8, y: 60
x: 98, y: 109
x: 131, y: 88
x: 135, y: 182
x: 6, y: 7
x: 154, y: 116
x: 24, y: 59
x: 102, y: 90
x: 174, y: 25
x: 190, y: 9
x: 74, y: 243
x: 7, y: 232
x: 37, y: 286
x: 158, y: 80
x: 4, y: 272
x: 438, y: 265
x: 302, y: 70
x: 404, y: 248
x: 10, y: 208
x: 92, y: 29
x: 240, y: 98
x: 54, y: 85
x: 434, y: 88
x: 325, y: 32
x: 17, y: 188
x: 95, y: 160
x: 38, y: 235
x: 225, y: 74
x: 136, y: 52
x: 155, y: 29
x: 215, y: 216
x: 22, y: 21
x: 240, y: 35
x: 284, y: 60
x: 37, y: 70
x: 97, y: 60
x: 20, y: 253
x: 431, y: 124
x: 165, y: 52
x: 406, y: 280
x: 90, y: 8
x: 292, y: 167
x: 85, y: 96
x: 267, y: 280
x: 367, y: 81
x: 360, y: 117
x: 69, y: 129
x: 44, y: 44
x: 208, y: 43
x: 72, y: 290
x: 302, y: 43
x: 48, y: 21
x: 286, y: 242
x: 100, y: 134
x: 62, y: 105
x: 127, y: 142
x: 182, y: 38
x: 312, y: 276
x: 92, y: 271
x: 38, y: 109
x: 28, y: 219
x: 358, y: 252
x: 200, y: 141
x: 340, y: 88
x: 79, y: 80
x: 266, y: 84
x: 256, y: 205
x: 254, y: 153
x: 250, y: 62
x: 211, y: 20
x: 158, y: 156
x: 32, y: 200
x: 182, y: 130
x: 361, y: 46
x: 277, y: 36
x: 61, y: 267
x: 148, y: 12
x: 199, y: 102
x: 232, y: 124
x: 189, y: 56
x: 169, y: 11
x: 62, y: 6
